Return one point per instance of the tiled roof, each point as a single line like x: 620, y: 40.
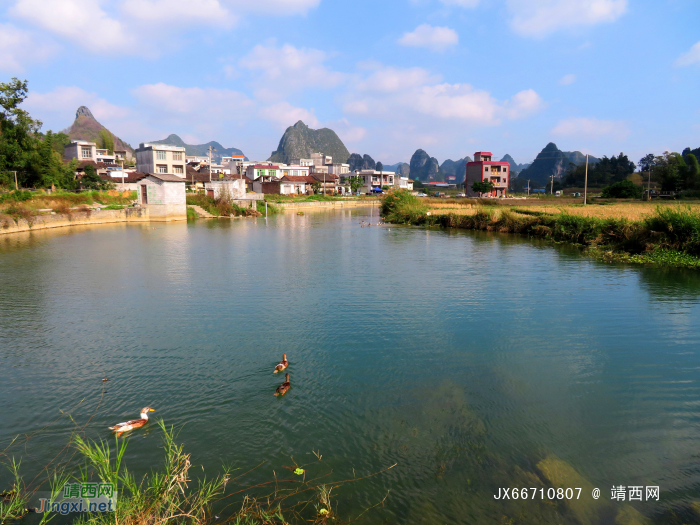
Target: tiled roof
x: 293, y: 178
x: 129, y: 177
x: 166, y: 177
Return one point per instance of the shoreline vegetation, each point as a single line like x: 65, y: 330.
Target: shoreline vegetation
x: 299, y: 493
x: 667, y: 235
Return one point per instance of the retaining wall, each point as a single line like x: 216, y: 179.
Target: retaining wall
x: 42, y: 222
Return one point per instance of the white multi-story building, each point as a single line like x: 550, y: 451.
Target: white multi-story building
x: 338, y: 169
x: 161, y: 158
x: 403, y: 183
x: 375, y: 179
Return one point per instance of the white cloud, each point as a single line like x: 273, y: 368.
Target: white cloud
x: 195, y: 102
x: 287, y: 68
x: 19, y: 48
x: 275, y: 7
x: 83, y: 22
x: 567, y: 80
x: 692, y: 56
x: 141, y: 27
x: 357, y: 107
x: 461, y: 3
x: 538, y: 18
x: 177, y: 12
x: 523, y: 104
x: 284, y: 115
x: 453, y: 101
x: 390, y: 80
x: 434, y: 38
x: 60, y: 104
x: 347, y: 132
x: 591, y: 128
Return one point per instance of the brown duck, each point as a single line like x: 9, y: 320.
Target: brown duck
x: 282, y: 389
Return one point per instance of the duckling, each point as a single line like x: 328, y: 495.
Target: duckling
x: 282, y: 364
x: 282, y: 389
x: 134, y: 423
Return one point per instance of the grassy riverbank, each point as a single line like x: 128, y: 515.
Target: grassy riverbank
x: 225, y: 207
x: 17, y: 205
x: 664, y: 234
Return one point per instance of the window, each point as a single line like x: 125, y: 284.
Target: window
x: 486, y: 168
x: 87, y: 152
x: 160, y: 155
x: 273, y: 173
x: 177, y: 170
x: 161, y: 169
x: 177, y: 155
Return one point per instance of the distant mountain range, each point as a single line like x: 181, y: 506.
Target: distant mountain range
x: 456, y: 169
x: 423, y: 167
x: 300, y: 141
x: 200, y: 150
x: 515, y: 168
x: 552, y: 161
x: 86, y: 127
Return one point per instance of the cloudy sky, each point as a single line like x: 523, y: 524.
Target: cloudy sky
x: 390, y: 76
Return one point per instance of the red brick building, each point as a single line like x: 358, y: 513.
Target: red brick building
x: 483, y: 169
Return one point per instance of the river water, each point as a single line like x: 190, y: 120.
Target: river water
x: 472, y: 361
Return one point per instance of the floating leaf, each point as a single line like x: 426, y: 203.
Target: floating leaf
x: 299, y: 471
x: 323, y: 512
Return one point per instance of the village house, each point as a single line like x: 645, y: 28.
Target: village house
x: 163, y: 194
x: 403, y: 183
x: 373, y: 179
x: 161, y: 158
x: 483, y: 169
x: 84, y: 151
x: 290, y: 184
x: 228, y: 188
x: 329, y: 183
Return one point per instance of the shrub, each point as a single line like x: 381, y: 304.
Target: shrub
x: 625, y: 189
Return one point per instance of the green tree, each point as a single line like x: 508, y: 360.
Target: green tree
x: 693, y: 176
x: 106, y: 141
x: 483, y: 187
x: 92, y: 181
x: 625, y: 189
x: 355, y: 182
x: 316, y: 186
x: 18, y: 132
x: 646, y: 162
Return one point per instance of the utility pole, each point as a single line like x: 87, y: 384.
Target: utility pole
x: 16, y: 187
x: 649, y: 186
x: 585, y: 184
x: 211, y: 148
x: 551, y: 188
x: 528, y: 187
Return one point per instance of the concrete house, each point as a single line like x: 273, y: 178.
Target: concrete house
x: 232, y: 188
x: 161, y: 158
x: 482, y: 169
x: 81, y: 150
x: 163, y: 195
x: 375, y: 179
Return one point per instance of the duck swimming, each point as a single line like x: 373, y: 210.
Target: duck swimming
x: 282, y: 389
x: 134, y: 423
x: 282, y: 364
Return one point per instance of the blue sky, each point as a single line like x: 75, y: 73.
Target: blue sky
x: 449, y: 76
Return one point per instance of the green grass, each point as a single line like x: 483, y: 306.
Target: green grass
x: 670, y: 237
x: 220, y: 207
x: 191, y: 214
x: 180, y: 493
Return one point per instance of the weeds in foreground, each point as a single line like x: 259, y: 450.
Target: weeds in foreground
x: 13, y: 503
x: 169, y: 495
